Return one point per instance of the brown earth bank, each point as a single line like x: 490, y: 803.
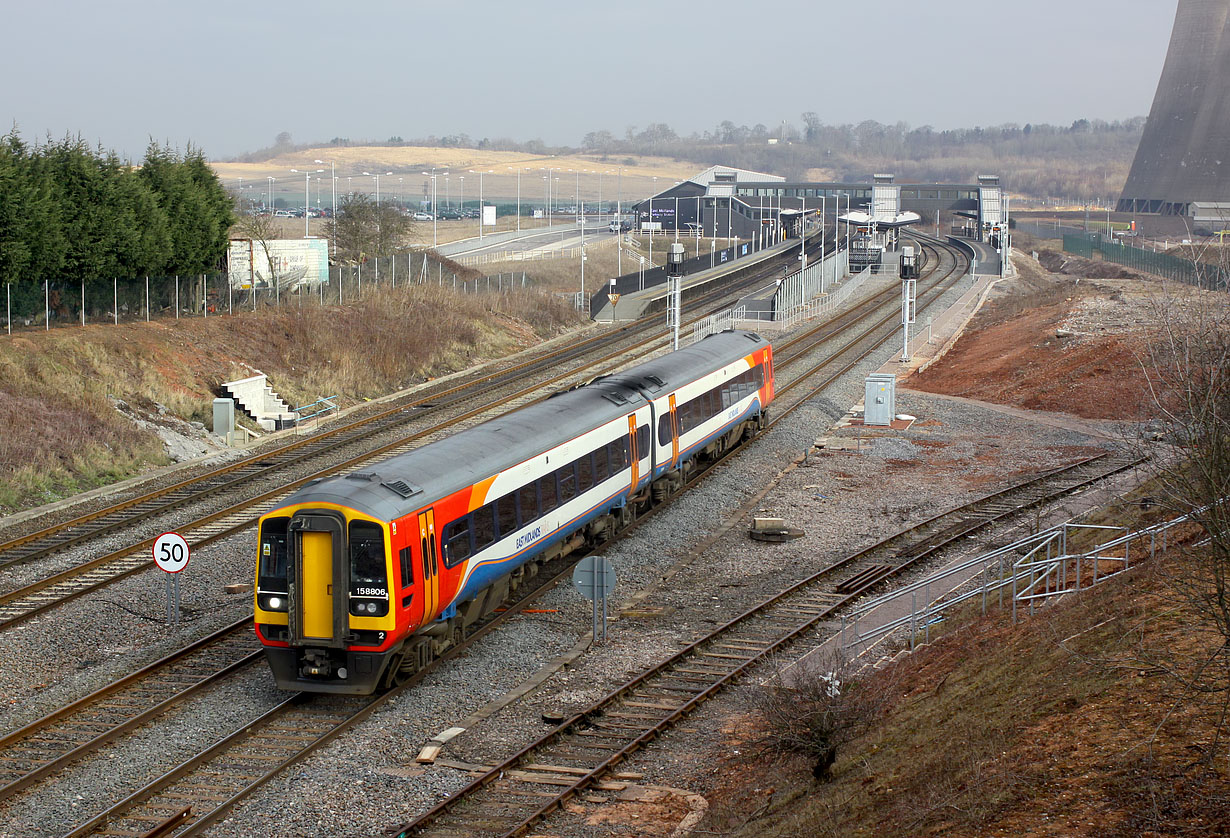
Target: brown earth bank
x: 1063, y: 342
x: 1068, y: 723
x: 82, y: 407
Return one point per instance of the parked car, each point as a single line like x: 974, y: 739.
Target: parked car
x: 422, y: 216
x: 283, y: 214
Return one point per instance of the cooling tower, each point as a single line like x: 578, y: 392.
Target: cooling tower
x: 1184, y: 153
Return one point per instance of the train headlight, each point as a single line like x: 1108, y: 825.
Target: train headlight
x: 372, y: 608
x: 272, y: 602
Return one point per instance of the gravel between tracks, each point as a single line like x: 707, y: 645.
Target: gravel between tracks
x: 367, y: 780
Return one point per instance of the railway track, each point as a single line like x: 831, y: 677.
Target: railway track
x: 28, y: 600
x: 228, y: 478
x: 509, y: 799
x: 265, y: 746
x: 39, y: 749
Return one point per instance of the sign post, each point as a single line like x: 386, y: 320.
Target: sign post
x: 594, y: 579
x: 171, y: 554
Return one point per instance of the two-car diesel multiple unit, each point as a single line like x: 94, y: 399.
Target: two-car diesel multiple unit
x: 363, y: 579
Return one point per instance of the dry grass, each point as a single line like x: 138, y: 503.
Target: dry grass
x: 408, y: 163
x: 1046, y: 727
x: 60, y: 433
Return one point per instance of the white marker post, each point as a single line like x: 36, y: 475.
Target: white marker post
x: 171, y: 554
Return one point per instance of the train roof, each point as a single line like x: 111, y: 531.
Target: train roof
x: 409, y: 481
x: 667, y: 372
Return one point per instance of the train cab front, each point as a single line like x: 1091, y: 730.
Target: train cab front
x: 322, y: 599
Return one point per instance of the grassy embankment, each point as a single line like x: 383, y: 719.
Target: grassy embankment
x: 1066, y: 723
x: 61, y: 433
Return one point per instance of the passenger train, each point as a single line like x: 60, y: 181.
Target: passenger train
x: 363, y: 579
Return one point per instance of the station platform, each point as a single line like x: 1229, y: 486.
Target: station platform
x: 636, y: 304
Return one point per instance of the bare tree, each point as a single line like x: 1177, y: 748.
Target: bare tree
x: 814, y: 710
x: 1187, y: 367
x: 261, y: 229
x: 362, y: 230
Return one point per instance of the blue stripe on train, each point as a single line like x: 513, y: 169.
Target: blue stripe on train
x: 488, y: 570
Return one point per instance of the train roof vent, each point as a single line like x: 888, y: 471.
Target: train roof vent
x: 752, y: 336
x: 654, y: 380
x: 615, y: 397
x: 363, y: 475
x: 403, y: 488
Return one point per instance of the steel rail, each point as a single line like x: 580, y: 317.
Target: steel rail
x: 616, y: 727
x: 60, y: 536
x: 181, y: 816
x: 35, y: 598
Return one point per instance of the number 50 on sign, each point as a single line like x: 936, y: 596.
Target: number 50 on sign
x: 171, y: 552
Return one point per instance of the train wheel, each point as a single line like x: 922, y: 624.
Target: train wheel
x: 395, y: 675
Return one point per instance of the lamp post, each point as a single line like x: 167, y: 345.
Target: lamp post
x: 619, y: 222
x: 377, y: 178
x: 546, y: 196
x: 307, y: 195
x: 480, y: 174
x: 270, y: 178
x: 550, y: 173
x: 333, y: 210
x: 461, y: 192
x: 432, y: 175
x: 518, y: 199
x: 600, y: 174
x: 653, y: 192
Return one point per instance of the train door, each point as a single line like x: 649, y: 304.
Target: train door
x: 633, y: 450
x: 317, y: 607
x: 674, y: 433
x: 431, y: 564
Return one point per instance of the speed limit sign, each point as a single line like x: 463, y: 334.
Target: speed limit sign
x: 171, y: 552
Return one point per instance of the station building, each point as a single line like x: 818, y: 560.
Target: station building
x: 724, y: 202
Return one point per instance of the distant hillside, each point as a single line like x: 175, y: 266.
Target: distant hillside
x: 1087, y: 160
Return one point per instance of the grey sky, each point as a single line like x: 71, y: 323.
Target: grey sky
x: 228, y: 76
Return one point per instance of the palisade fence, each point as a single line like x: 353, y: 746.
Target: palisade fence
x: 76, y: 303
x: 1200, y: 274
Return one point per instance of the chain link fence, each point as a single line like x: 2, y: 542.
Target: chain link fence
x: 1205, y: 275
x: 96, y: 301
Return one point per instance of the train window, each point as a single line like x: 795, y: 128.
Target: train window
x: 615, y: 451
x: 506, y: 514
x: 567, y: 482
x: 455, y: 540
x: 642, y: 442
x: 602, y: 468
x: 585, y: 473
x: 527, y: 500
x: 759, y: 376
x: 273, y: 555
x: 484, y: 527
x: 367, y: 573
x: 664, y: 429
x: 407, y: 567
x: 547, y: 492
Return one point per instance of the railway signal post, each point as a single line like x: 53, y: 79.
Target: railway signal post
x: 594, y: 579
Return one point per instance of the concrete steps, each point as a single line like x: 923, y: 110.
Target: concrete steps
x: 256, y: 398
